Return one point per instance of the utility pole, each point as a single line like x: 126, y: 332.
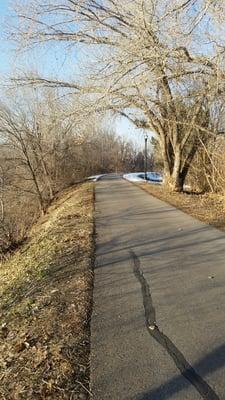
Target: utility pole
x: 146, y: 156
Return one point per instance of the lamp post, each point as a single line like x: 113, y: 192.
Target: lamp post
x: 146, y: 156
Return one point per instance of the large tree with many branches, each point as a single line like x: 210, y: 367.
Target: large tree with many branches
x: 158, y: 63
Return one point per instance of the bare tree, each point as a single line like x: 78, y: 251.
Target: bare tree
x: 150, y: 66
x: 45, y: 147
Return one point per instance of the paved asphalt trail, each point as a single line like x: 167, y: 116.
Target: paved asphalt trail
x: 158, y: 323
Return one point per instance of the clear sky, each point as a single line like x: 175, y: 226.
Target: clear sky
x: 55, y: 63
x: 4, y: 46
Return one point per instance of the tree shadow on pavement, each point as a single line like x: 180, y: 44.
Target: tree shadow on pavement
x: 210, y: 363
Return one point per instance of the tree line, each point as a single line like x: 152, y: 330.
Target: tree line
x: 44, y: 149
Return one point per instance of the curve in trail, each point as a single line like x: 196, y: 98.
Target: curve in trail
x: 206, y: 392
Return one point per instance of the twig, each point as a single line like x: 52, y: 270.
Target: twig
x: 88, y: 391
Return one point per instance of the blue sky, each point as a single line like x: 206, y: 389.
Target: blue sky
x: 53, y: 62
x: 47, y: 60
x: 4, y: 46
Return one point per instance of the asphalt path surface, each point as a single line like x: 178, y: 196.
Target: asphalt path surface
x: 158, y: 322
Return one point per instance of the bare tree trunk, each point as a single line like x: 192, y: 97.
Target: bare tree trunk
x: 172, y: 166
x: 173, y: 177
x: 36, y: 184
x: 47, y: 179
x: 39, y: 195
x: 174, y: 182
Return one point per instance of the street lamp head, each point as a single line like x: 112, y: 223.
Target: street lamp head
x: 146, y: 136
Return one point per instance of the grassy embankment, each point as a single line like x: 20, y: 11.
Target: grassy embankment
x: 208, y: 207
x: 45, y: 304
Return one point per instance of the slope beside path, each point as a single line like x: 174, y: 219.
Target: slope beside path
x: 45, y: 304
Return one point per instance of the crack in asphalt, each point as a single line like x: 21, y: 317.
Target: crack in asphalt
x: 206, y: 392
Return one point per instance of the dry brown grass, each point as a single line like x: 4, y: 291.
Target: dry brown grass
x: 208, y: 207
x: 46, y: 295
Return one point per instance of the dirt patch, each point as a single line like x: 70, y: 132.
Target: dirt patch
x: 46, y: 299
x: 209, y: 207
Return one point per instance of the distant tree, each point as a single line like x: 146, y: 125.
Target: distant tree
x: 140, y: 161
